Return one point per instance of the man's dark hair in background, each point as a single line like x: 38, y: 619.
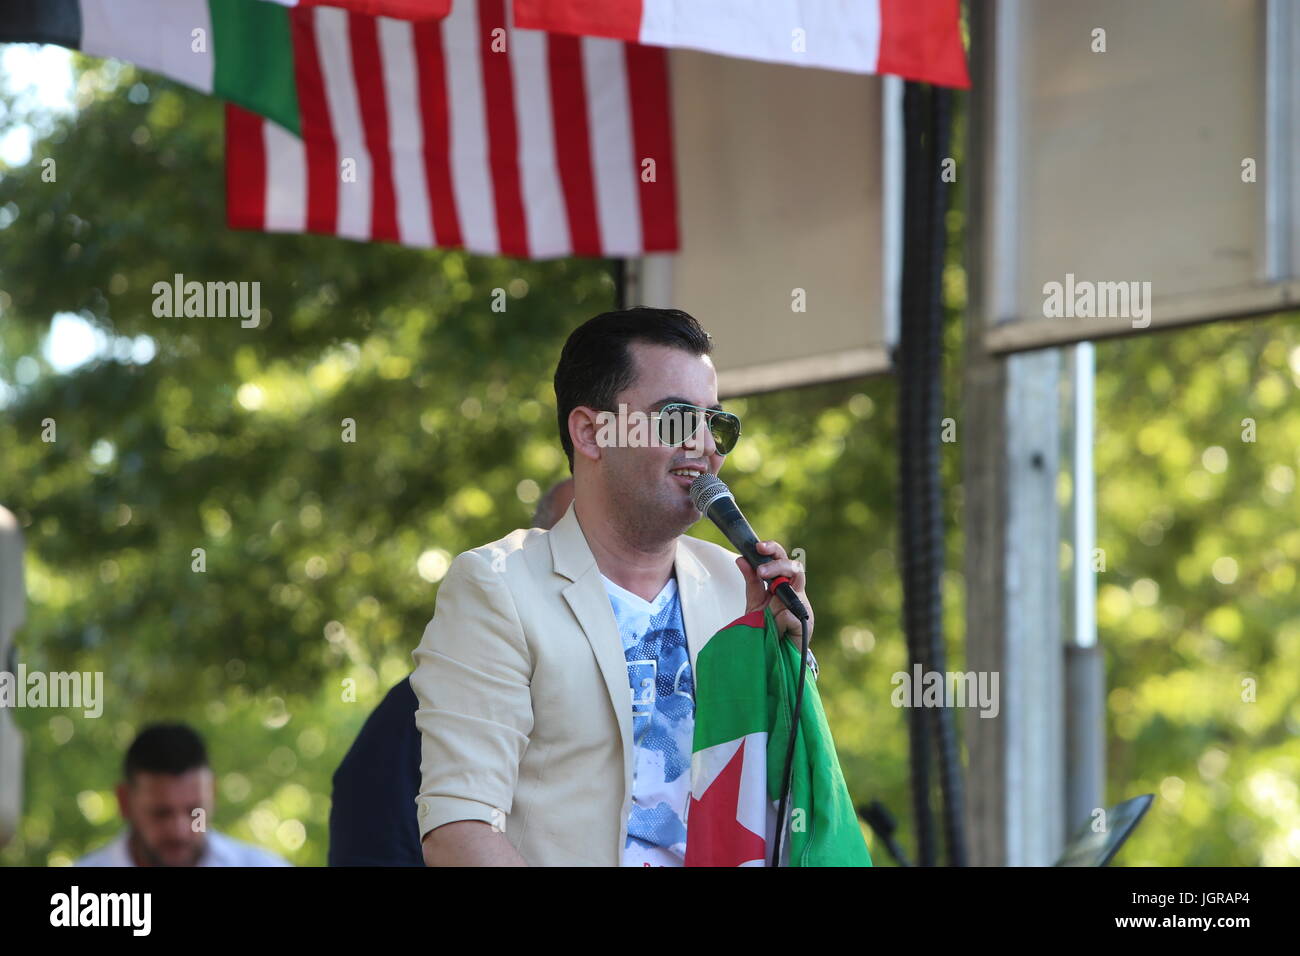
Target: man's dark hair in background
x: 372, y: 814
x: 596, y: 365
x: 165, y: 748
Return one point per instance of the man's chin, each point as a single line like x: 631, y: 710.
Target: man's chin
x: 179, y: 857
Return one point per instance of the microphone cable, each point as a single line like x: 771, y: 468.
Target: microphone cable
x: 794, y: 730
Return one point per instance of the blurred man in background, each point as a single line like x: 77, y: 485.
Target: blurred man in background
x: 372, y: 815
x: 166, y: 798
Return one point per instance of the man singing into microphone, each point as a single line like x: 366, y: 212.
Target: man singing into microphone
x: 555, y: 681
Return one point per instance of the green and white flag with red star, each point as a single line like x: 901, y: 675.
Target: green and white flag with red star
x: 745, y: 683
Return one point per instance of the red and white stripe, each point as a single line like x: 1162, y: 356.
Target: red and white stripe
x: 916, y: 39
x: 533, y: 152
x: 406, y: 9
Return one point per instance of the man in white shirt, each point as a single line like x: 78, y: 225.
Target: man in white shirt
x: 166, y: 798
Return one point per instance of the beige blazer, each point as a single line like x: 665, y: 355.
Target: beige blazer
x: 525, y: 711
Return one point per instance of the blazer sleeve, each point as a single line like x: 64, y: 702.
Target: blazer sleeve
x: 474, y: 712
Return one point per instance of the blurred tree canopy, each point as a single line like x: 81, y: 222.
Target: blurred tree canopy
x: 323, y: 556
x: 1198, y: 434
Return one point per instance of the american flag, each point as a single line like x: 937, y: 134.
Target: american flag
x: 463, y: 132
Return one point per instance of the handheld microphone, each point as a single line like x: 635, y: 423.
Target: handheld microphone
x: 710, y: 495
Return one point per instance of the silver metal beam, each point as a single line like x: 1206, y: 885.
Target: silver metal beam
x: 1011, y: 440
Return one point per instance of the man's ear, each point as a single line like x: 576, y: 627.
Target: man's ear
x: 123, y: 791
x: 590, y: 431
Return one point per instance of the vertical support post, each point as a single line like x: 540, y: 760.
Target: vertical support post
x: 1085, y: 698
x: 1011, y: 440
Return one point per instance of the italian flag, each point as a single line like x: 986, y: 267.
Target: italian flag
x: 238, y: 50
x: 745, y: 684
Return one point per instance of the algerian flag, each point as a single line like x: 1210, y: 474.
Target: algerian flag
x: 745, y: 683
x: 238, y: 50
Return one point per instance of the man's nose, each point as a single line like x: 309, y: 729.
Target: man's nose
x: 701, y: 444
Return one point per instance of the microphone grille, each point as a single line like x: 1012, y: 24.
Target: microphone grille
x: 707, y: 489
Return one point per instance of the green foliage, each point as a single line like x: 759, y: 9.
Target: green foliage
x: 1197, y: 518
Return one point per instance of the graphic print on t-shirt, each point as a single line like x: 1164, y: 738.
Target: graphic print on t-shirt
x: 662, y: 698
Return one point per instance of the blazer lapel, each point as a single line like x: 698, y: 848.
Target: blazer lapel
x: 586, y: 596
x: 700, y: 609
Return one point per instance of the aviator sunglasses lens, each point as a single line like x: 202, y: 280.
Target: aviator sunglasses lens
x: 677, y: 423
x: 726, y: 431
x: 672, y: 426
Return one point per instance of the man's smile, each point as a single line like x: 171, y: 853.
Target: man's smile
x: 686, y: 474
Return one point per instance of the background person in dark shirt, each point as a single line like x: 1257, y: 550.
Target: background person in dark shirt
x: 372, y: 814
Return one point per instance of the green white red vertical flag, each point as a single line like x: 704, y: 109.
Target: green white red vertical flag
x: 746, y: 678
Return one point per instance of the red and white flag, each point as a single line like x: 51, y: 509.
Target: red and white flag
x: 462, y: 132
x: 402, y: 9
x: 916, y: 39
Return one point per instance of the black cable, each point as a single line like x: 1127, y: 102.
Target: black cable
x: 915, y: 542
x: 789, y: 750
x: 942, y: 718
x: 883, y: 825
x: 927, y: 121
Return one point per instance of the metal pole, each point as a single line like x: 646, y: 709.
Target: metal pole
x: 1085, y: 676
